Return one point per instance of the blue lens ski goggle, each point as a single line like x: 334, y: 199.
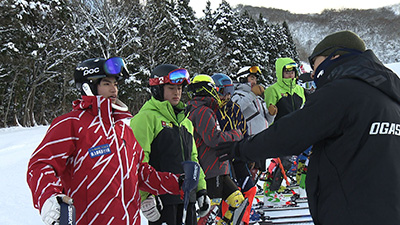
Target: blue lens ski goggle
x: 308, y: 85
x: 115, y: 66
x: 176, y: 77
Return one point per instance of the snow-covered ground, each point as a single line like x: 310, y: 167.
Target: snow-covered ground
x: 16, y: 146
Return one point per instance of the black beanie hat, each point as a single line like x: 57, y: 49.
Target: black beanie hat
x: 334, y: 41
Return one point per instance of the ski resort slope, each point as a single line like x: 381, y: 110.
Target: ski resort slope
x: 16, y: 147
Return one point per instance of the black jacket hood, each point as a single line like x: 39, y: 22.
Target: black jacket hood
x: 366, y: 67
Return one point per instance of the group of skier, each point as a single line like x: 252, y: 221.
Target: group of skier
x: 92, y: 159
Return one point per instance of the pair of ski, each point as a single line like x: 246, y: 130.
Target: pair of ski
x: 212, y: 215
x: 284, y: 208
x: 271, y: 222
x: 286, y: 219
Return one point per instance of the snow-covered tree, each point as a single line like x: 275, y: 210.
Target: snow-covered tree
x: 43, y: 41
x: 35, y: 46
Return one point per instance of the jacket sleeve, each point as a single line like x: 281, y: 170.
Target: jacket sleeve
x: 202, y: 182
x: 157, y: 183
x: 270, y: 96
x: 206, y: 125
x: 48, y: 162
x: 321, y: 117
x: 143, y: 130
x: 300, y: 91
x: 243, y: 100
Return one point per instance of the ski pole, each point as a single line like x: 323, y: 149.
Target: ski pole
x: 67, y: 211
x: 192, y: 173
x: 283, y: 171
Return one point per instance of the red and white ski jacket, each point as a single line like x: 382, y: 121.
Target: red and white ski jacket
x: 91, y: 155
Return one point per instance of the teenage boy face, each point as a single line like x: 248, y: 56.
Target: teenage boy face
x: 172, y: 93
x: 289, y: 74
x: 252, y: 79
x: 108, y: 88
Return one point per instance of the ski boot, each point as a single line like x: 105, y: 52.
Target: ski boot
x: 237, y: 205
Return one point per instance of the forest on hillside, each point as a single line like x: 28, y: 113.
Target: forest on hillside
x: 43, y: 41
x: 379, y: 28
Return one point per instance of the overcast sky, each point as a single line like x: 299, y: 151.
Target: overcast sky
x: 297, y: 6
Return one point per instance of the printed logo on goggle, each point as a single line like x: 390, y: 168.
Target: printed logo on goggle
x: 91, y: 71
x: 166, y: 124
x: 284, y: 95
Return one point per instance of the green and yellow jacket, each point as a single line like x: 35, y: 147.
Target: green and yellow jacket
x: 285, y: 94
x: 166, y: 136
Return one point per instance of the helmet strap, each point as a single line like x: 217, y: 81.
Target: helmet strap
x: 87, y: 90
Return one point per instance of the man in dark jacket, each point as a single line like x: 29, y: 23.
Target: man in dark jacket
x: 353, y: 122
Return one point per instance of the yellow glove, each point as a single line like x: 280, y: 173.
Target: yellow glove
x: 272, y: 109
x: 258, y: 90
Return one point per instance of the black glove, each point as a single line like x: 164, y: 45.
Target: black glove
x: 227, y: 150
x: 181, y: 179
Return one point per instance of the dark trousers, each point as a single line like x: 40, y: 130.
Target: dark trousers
x: 221, y: 187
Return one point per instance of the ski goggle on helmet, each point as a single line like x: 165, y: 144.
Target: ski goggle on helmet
x: 93, y: 69
x: 255, y: 69
x: 290, y: 67
x: 115, y: 66
x: 308, y: 85
x: 223, y: 83
x: 249, y: 70
x: 177, y: 76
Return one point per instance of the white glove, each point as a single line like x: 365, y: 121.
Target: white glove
x: 51, y: 209
x: 204, y: 203
x: 151, y: 208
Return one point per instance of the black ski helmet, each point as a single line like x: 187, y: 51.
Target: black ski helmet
x: 164, y: 71
x: 89, y: 73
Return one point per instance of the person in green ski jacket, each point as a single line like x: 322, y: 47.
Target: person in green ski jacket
x: 166, y: 136
x: 285, y: 94
x: 282, y: 98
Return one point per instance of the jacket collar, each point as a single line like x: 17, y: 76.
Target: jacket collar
x: 166, y: 109
x: 199, y: 101
x: 102, y: 107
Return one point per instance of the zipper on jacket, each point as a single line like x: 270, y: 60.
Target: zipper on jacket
x: 183, y: 144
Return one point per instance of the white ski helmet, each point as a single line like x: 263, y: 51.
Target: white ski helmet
x: 244, y: 72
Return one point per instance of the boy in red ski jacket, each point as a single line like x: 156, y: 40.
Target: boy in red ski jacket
x: 90, y: 155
